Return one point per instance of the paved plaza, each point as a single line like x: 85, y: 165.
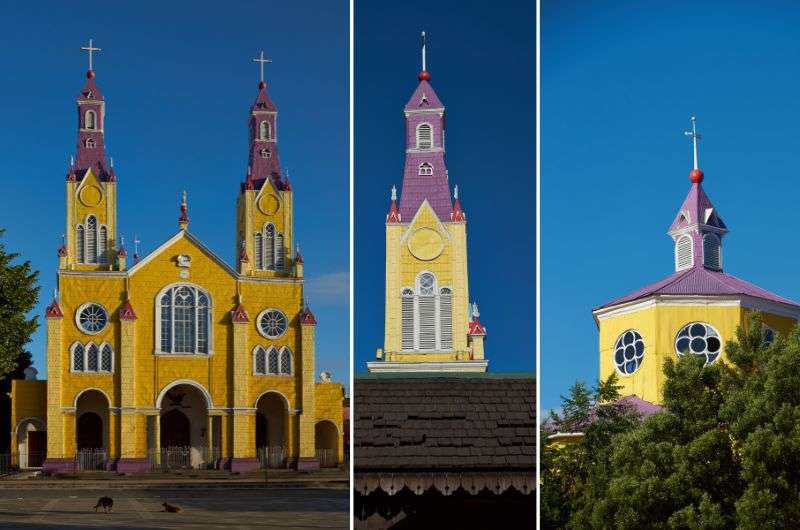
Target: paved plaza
x: 217, y: 507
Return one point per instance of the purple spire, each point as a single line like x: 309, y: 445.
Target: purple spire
x: 425, y: 174
x: 263, y: 161
x: 91, y: 151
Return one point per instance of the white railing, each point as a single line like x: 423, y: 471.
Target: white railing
x: 327, y: 457
x: 271, y: 457
x: 91, y: 460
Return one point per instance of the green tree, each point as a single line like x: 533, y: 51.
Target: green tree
x: 19, y: 293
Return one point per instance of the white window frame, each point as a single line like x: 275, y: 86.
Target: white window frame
x: 418, y: 143
x: 425, y: 169
x: 87, y: 121
x: 287, y: 350
x: 90, y: 143
x: 278, y: 261
x: 157, y: 335
x: 78, y: 319
x: 437, y: 296
x: 691, y: 252
x: 264, y: 130
x: 86, y: 347
x: 261, y: 315
x: 81, y: 235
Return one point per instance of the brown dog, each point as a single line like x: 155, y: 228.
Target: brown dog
x: 171, y: 508
x: 106, y: 503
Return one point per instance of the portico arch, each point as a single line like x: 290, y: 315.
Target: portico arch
x: 272, y: 427
x: 326, y: 439
x: 184, y: 431
x: 91, y: 428
x: 31, y: 433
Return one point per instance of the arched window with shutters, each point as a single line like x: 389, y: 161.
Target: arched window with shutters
x: 427, y: 323
x: 407, y: 317
x: 263, y: 130
x: 90, y: 235
x: 712, y: 251
x: 102, y: 245
x: 269, y: 247
x: 684, y: 253
x: 424, y: 136
x: 91, y: 120
x: 279, y: 252
x: 425, y: 169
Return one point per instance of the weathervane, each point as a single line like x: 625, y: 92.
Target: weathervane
x: 424, y: 63
x: 90, y: 48
x: 695, y: 136
x: 262, y: 61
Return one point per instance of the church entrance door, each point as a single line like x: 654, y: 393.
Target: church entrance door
x: 175, y: 429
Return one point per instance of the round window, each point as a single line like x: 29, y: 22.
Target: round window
x: 629, y: 352
x: 699, y: 338
x: 272, y: 323
x: 92, y: 318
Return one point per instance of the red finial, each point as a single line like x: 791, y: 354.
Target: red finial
x: 243, y: 254
x: 424, y: 75
x: 248, y: 181
x: 287, y: 186
x: 307, y: 317
x: 298, y: 258
x: 475, y: 326
x: 53, y: 310
x: 262, y: 85
x: 696, y: 176
x: 90, y: 74
x: 458, y: 213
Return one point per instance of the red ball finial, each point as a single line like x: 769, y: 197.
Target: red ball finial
x: 89, y: 74
x: 262, y: 85
x: 696, y: 176
x: 424, y: 75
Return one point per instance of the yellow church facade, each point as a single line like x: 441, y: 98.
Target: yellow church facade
x: 695, y: 310
x: 176, y: 358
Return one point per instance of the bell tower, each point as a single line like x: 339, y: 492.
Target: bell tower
x: 91, y: 191
x: 264, y: 221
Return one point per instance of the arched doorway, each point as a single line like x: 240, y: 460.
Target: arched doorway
x: 326, y: 439
x: 31, y: 443
x: 184, y: 429
x: 91, y: 430
x: 271, y: 427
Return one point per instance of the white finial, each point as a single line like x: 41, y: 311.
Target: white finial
x: 183, y: 198
x: 475, y: 313
x: 424, y: 62
x: 297, y: 248
x: 55, y: 293
x: 91, y: 49
x: 249, y: 170
x: 136, y: 244
x: 394, y: 193
x: 111, y: 161
x: 455, y: 192
x: 122, y: 241
x: 71, y: 161
x: 262, y: 61
x: 63, y: 239
x: 695, y: 136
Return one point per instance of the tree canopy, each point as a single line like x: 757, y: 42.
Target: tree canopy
x: 725, y: 452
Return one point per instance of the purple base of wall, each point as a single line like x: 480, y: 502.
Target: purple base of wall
x: 224, y: 463
x: 132, y: 465
x: 307, y: 464
x: 244, y: 465
x: 59, y: 465
x: 111, y: 465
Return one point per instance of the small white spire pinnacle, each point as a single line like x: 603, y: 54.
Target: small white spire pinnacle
x: 71, y: 161
x: 297, y: 248
x: 394, y: 193
x: 183, y: 198
x: 475, y: 313
x: 455, y: 192
x: 136, y: 244
x: 55, y: 293
x: 111, y: 161
x: 424, y: 61
x: 249, y: 170
x: 122, y: 241
x: 695, y: 136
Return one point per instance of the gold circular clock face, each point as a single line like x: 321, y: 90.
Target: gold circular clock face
x: 426, y: 244
x: 268, y: 204
x: 91, y: 195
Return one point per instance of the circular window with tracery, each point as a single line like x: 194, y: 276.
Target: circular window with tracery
x: 92, y: 318
x: 629, y: 352
x: 699, y: 338
x: 272, y: 323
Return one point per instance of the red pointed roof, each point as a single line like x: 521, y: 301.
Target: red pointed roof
x: 457, y: 214
x: 298, y: 258
x: 126, y: 312
x: 239, y: 315
x: 307, y: 317
x: 53, y: 310
x: 62, y: 251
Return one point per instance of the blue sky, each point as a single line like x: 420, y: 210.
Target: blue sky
x: 619, y: 82
x: 179, y: 80
x: 482, y: 63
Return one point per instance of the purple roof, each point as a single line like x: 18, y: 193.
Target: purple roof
x: 432, y: 186
x: 644, y: 408
x: 90, y: 150
x: 266, y: 166
x: 700, y: 281
x: 697, y: 204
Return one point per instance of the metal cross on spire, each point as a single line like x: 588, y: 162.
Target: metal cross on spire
x: 262, y: 61
x: 695, y: 136
x: 90, y: 48
x: 424, y: 62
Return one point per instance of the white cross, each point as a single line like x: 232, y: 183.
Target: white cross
x: 90, y: 48
x: 136, y: 244
x: 262, y: 61
x: 695, y: 136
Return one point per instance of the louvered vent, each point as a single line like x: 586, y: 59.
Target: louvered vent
x: 446, y: 318
x: 408, y: 320
x: 711, y: 251
x: 424, y: 136
x: 259, y: 252
x: 279, y: 252
x: 683, y: 253
x: 427, y: 322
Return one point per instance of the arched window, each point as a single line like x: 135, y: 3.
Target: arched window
x: 78, y: 352
x: 91, y: 120
x: 91, y: 239
x: 407, y: 316
x: 279, y: 252
x: 106, y: 358
x: 286, y: 361
x: 265, y: 153
x: 684, y: 253
x: 259, y: 252
x: 426, y: 311
x: 260, y: 361
x: 90, y: 143
x: 446, y: 318
x: 424, y: 136
x: 79, y: 243
x: 425, y: 169
x: 712, y: 251
x: 92, y: 358
x: 273, y: 361
x: 102, y: 238
x: 263, y: 130
x: 701, y: 339
x: 269, y: 247
x: 184, y: 315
